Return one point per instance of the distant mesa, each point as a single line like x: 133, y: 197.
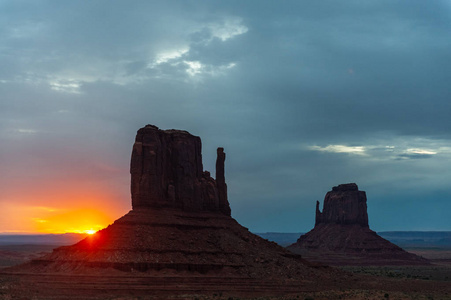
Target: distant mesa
x: 180, y: 225
x: 344, y: 205
x: 341, y: 235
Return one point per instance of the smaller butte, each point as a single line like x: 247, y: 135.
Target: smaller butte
x: 342, y: 236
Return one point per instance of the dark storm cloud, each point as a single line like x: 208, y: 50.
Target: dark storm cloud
x: 303, y: 95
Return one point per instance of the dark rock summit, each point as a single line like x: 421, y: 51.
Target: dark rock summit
x: 341, y: 235
x: 345, y: 204
x: 166, y: 170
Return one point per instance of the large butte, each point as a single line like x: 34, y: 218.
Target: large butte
x: 179, y: 236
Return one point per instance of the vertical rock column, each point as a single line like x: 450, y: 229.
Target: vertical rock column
x: 318, y: 219
x: 220, y: 182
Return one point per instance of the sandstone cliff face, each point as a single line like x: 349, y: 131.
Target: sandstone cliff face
x: 345, y: 204
x: 166, y: 171
x: 341, y: 235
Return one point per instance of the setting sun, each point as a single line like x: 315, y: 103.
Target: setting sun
x: 81, y: 214
x: 86, y: 221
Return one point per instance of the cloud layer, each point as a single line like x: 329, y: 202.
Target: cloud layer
x: 302, y: 95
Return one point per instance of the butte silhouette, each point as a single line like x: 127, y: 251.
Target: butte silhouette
x: 179, y: 235
x: 342, y: 236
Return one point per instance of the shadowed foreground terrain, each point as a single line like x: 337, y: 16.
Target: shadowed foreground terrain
x: 136, y: 286
x: 399, y: 282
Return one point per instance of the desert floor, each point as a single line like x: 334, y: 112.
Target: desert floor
x: 378, y: 282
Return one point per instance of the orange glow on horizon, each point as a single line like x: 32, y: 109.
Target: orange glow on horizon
x: 75, y: 201
x: 53, y: 220
x: 87, y: 221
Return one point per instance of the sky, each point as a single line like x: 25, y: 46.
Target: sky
x: 303, y: 96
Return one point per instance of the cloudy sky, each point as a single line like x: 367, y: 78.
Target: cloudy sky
x: 303, y: 95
